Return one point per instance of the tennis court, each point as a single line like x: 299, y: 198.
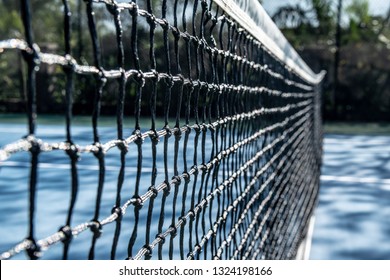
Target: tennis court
x: 232, y: 172
x: 352, y: 218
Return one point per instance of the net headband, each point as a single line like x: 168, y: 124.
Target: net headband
x: 252, y: 17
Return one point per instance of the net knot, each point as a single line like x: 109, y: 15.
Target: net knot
x: 196, y: 41
x: 32, y: 249
x: 224, y: 154
x: 191, y: 214
x: 155, y: 77
x: 213, y: 45
x: 202, y: 167
x: 101, y: 77
x: 96, y: 228
x: 138, y: 137
x: 197, y: 128
x: 112, y: 8
x: 214, y: 20
x: 187, y: 129
x: 138, y: 202
x: 73, y: 152
x: 176, y: 180
x: 177, y: 132
x: 190, y: 85
x: 204, y: 5
x: 123, y: 74
x: 181, y: 79
x: 169, y: 80
x: 67, y: 231
x: 98, y: 152
x: 133, y: 9
x: 219, y: 190
x: 173, y: 230
x: 153, y: 190
x: 168, y: 131
x: 154, y: 137
x: 203, y: 85
x: 187, y: 37
x: 151, y: 20
x: 186, y: 177
x: 35, y: 145
x: 122, y: 146
x: 208, y: 15
x: 167, y: 188
x: 161, y: 237
x: 195, y: 169
x: 32, y: 54
x: 149, y: 250
x: 139, y: 78
x: 198, y: 248
x: 118, y: 211
x: 164, y: 24
x: 71, y: 64
x: 175, y: 32
x: 183, y: 221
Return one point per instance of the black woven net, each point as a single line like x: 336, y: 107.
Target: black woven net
x: 224, y: 138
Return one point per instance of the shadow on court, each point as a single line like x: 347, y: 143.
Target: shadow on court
x: 353, y: 214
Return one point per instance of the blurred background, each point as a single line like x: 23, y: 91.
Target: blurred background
x: 350, y: 39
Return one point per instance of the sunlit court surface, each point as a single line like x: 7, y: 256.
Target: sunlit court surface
x: 201, y: 136
x: 352, y: 217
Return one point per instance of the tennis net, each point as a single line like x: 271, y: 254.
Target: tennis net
x: 223, y: 157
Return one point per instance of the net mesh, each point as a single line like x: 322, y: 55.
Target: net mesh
x: 225, y: 143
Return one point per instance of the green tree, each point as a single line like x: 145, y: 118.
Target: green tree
x: 360, y: 22
x: 11, y: 79
x: 301, y: 22
x: 358, y: 12
x: 361, y: 79
x: 10, y: 24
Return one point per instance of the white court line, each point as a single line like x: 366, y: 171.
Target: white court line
x: 357, y: 142
x: 350, y: 179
